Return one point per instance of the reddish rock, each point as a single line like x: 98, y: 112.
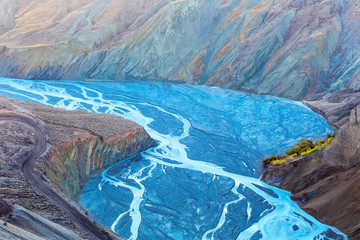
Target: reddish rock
x: 79, y: 144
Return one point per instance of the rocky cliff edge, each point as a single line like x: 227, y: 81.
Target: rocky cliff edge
x: 79, y: 144
x: 326, y: 184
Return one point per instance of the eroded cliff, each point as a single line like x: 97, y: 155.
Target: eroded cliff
x: 326, y: 184
x: 78, y: 145
x: 74, y: 162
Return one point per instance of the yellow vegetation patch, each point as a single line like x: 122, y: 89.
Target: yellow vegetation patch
x: 278, y: 162
x: 303, y: 148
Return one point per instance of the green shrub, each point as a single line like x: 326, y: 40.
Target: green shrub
x: 304, y: 147
x: 27, y: 207
x: 295, y: 150
x: 3, y: 145
x: 268, y: 160
x: 301, y: 147
x: 305, y: 143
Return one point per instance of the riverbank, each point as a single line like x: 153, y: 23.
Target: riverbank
x: 209, y: 139
x: 55, y: 131
x: 326, y: 183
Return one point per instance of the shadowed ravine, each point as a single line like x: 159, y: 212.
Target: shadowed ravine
x: 201, y: 182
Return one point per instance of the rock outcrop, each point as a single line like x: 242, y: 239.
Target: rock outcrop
x: 336, y: 108
x: 98, y: 141
x: 79, y: 145
x: 326, y: 184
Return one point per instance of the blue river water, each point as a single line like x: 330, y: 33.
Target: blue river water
x: 202, y: 180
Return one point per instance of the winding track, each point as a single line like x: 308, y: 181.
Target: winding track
x: 38, y: 184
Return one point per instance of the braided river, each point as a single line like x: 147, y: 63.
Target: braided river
x: 202, y: 180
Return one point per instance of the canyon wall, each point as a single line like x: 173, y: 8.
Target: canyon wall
x: 326, y: 184
x: 84, y: 143
x: 301, y: 49
x: 73, y: 163
x: 81, y: 143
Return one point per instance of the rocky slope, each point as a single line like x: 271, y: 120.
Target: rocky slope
x: 296, y: 49
x: 33, y: 227
x: 326, y: 184
x: 86, y: 143
x: 79, y: 144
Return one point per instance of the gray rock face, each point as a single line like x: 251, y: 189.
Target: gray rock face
x: 39, y: 226
x: 295, y: 49
x: 10, y: 232
x: 345, y: 151
x: 329, y: 179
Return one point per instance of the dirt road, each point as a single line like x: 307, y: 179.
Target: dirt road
x: 36, y: 181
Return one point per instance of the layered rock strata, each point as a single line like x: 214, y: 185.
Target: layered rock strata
x: 326, y: 184
x: 79, y: 144
x: 33, y: 227
x: 89, y: 152
x: 295, y: 49
x: 302, y: 50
